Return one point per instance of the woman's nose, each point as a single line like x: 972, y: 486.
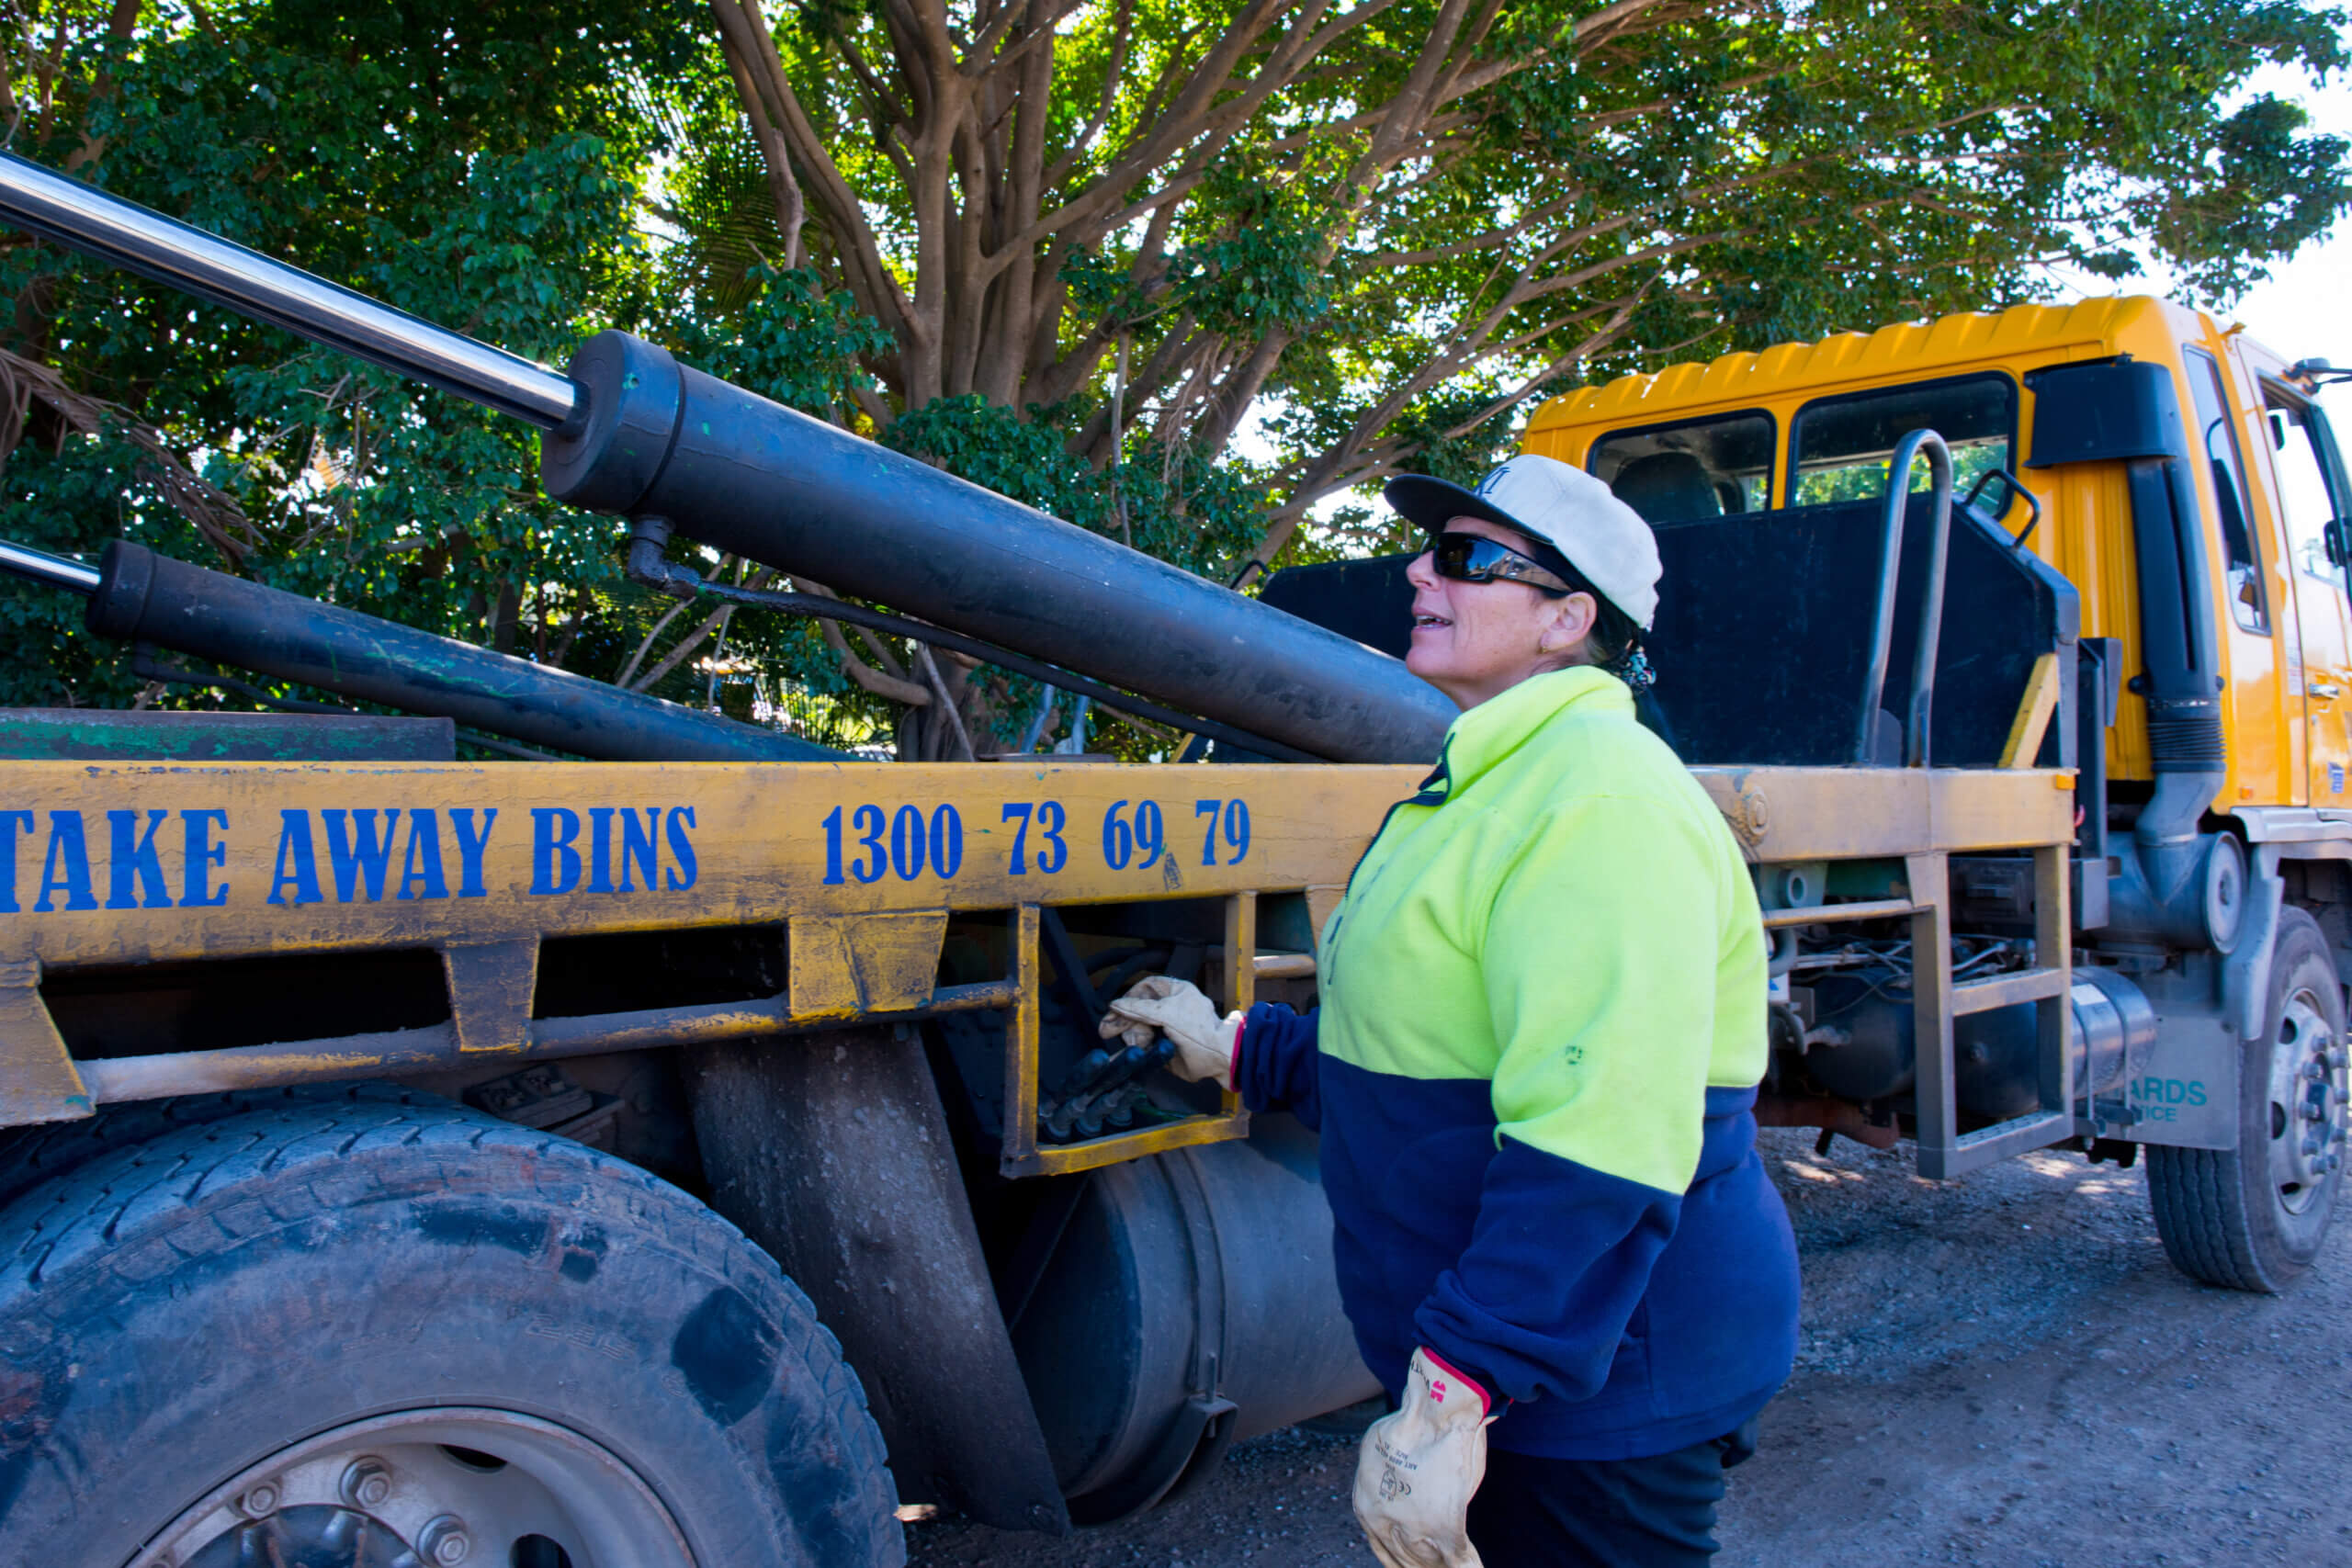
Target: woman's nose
x: 1418, y: 573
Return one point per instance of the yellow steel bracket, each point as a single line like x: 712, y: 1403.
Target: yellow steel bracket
x: 490, y: 988
x: 1021, y: 1155
x: 38, y: 1079
x: 2032, y: 720
x: 847, y: 966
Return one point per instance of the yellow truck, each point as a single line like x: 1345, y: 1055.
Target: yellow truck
x: 681, y: 1144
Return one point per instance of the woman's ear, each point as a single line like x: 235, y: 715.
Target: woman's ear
x: 1570, y: 622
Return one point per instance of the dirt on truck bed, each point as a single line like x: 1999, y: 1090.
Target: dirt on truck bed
x: 2001, y: 1370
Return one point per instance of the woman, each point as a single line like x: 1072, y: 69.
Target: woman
x: 1542, y: 1027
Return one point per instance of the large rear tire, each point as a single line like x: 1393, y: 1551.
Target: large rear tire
x: 2253, y: 1218
x: 379, y: 1328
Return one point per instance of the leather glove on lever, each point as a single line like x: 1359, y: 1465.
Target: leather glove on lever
x: 1418, y: 1469
x: 1204, y: 1041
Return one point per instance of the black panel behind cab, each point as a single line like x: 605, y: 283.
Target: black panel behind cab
x: 1763, y: 630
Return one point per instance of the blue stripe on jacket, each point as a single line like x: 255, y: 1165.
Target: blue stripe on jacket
x: 1620, y: 1320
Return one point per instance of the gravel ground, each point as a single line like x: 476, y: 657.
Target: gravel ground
x: 2001, y: 1370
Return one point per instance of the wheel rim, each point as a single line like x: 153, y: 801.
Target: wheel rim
x: 448, y: 1487
x: 2307, y: 1105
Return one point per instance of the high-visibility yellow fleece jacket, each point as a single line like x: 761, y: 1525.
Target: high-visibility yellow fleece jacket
x: 1534, y: 1070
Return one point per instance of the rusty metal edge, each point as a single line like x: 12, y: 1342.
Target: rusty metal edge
x: 435, y: 1048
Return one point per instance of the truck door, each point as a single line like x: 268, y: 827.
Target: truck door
x: 2309, y: 485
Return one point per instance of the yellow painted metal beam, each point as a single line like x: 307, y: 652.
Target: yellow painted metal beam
x: 1795, y: 814
x: 2032, y: 721
x: 134, y: 862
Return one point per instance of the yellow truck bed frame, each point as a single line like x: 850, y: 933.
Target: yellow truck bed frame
x: 117, y: 864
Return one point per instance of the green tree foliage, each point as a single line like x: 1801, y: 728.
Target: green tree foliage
x: 1385, y: 227
x: 481, y: 165
x: 469, y: 163
x: 1065, y: 248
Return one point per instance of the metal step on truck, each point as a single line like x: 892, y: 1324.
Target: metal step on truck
x: 682, y: 1145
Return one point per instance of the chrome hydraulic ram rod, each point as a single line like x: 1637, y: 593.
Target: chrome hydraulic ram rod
x: 188, y: 259
x: 632, y: 431
x: 137, y: 595
x: 52, y: 571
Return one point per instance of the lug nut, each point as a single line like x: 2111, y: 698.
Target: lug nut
x: 366, y: 1482
x: 444, y: 1541
x: 259, y: 1502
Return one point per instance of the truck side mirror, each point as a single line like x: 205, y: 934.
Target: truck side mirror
x: 2339, y: 540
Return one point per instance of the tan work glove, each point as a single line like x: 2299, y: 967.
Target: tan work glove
x: 1419, y: 1469
x: 1204, y: 1041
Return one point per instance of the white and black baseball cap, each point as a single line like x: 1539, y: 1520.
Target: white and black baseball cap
x: 1604, y: 539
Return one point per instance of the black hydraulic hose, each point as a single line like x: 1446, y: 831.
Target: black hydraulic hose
x: 646, y: 566
x: 138, y: 596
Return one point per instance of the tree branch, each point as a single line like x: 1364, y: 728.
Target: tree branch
x: 791, y: 205
x: 946, y: 702
x: 870, y: 280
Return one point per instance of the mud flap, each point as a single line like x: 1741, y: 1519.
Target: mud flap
x: 831, y: 1151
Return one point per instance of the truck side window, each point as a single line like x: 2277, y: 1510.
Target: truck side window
x: 2305, y: 492
x: 1691, y: 470
x: 2217, y: 434
x: 1842, y: 444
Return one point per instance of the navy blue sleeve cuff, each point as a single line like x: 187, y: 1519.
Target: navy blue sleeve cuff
x: 1275, y: 1063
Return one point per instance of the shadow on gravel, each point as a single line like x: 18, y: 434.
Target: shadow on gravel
x: 1998, y: 1370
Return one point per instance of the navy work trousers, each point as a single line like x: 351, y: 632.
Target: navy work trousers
x: 1626, y: 1513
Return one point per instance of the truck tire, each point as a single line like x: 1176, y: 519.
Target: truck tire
x: 30, y: 1156
x: 373, y: 1326
x: 2253, y: 1218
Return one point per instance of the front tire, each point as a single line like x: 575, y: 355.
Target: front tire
x: 2253, y: 1218
x: 386, y: 1328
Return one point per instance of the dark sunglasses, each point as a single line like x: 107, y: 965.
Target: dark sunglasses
x: 1473, y: 558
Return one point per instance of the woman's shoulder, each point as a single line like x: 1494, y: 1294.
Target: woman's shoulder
x: 1611, y: 754
x: 1593, y: 749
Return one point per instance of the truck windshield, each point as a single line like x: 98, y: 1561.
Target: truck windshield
x: 2307, y: 488
x: 1691, y: 468
x: 1842, y: 444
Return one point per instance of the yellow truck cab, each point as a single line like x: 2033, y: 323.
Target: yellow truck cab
x: 1808, y: 423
